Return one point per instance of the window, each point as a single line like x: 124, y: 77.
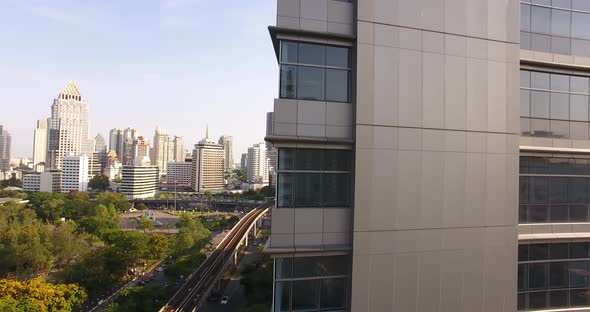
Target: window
x: 554, y: 105
x: 315, y: 283
x: 315, y: 72
x: 313, y: 178
x: 553, y: 275
x: 554, y: 190
x: 558, y: 26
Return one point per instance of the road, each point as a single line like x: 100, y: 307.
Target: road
x: 193, y: 292
x: 234, y: 289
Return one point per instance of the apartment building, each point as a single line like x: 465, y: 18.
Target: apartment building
x: 74, y: 175
x: 398, y: 136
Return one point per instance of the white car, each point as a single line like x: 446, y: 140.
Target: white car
x: 159, y: 269
x: 224, y: 299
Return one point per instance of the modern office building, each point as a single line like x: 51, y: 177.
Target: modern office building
x: 100, y: 147
x: 244, y: 161
x: 178, y: 149
x: 179, y: 174
x: 68, y: 127
x: 5, y: 144
x: 140, y: 180
x: 163, y: 150
x: 208, y: 166
x: 257, y: 166
x: 128, y: 148
x: 116, y: 142
x: 397, y: 129
x: 40, y: 143
x: 228, y: 147
x: 74, y: 175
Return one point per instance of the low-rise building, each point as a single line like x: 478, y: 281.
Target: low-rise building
x: 32, y: 182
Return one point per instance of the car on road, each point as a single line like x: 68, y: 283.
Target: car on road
x: 224, y: 299
x: 159, y: 269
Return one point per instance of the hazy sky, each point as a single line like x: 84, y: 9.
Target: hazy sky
x: 180, y: 64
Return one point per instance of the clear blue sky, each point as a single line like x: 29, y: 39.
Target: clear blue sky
x: 180, y: 64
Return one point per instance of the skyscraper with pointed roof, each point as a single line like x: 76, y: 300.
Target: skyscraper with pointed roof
x: 68, y: 126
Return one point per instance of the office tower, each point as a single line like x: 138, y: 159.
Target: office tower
x: 228, y: 147
x: 207, y: 171
x: 128, y: 150
x: 179, y: 151
x: 420, y: 100
x: 244, y: 161
x: 140, y: 147
x: 179, y: 175
x: 141, y: 179
x: 40, y: 144
x: 554, y: 150
x: 162, y: 150
x: 116, y: 142
x: 74, y: 175
x: 68, y: 126
x: 257, y: 166
x: 5, y: 142
x: 271, y: 152
x: 100, y: 147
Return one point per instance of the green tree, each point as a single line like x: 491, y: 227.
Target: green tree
x: 118, y: 200
x: 141, y: 206
x: 66, y: 244
x: 145, y: 224
x: 42, y: 295
x: 158, y: 246
x: 186, y: 221
x: 99, y: 182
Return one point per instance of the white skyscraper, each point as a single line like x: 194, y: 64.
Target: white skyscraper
x: 257, y: 168
x: 74, y: 173
x: 5, y: 142
x: 40, y: 143
x: 228, y: 148
x: 163, y: 150
x: 68, y: 127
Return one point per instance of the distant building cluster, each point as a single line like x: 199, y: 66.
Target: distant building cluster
x: 65, y: 158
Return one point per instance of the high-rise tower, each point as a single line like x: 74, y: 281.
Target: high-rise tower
x: 40, y: 143
x: 228, y: 148
x: 5, y: 142
x: 68, y: 126
x: 162, y: 150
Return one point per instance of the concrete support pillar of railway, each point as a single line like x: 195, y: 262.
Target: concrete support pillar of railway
x: 236, y: 257
x: 254, y: 229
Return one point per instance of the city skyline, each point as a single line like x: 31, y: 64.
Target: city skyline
x: 162, y: 74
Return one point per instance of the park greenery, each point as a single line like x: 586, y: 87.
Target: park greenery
x: 99, y: 182
x: 38, y: 295
x: 72, y: 244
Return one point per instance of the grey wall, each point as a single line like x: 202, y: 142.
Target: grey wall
x: 437, y: 123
